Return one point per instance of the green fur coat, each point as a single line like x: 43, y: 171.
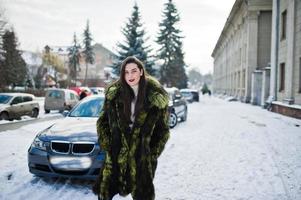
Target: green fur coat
x: 131, y: 154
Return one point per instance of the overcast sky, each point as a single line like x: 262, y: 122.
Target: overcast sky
x: 53, y: 22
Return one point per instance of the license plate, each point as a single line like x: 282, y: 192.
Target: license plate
x: 70, y: 163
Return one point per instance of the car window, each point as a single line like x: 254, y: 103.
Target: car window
x: 27, y: 98
x: 17, y: 99
x: 72, y: 96
x: 55, y: 94
x: 186, y: 94
x: 88, y: 108
x: 5, y: 98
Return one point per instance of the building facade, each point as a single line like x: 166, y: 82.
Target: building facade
x: 285, y: 91
x: 96, y: 73
x: 257, y: 58
x: 243, y: 50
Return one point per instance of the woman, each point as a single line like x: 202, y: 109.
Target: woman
x: 132, y: 130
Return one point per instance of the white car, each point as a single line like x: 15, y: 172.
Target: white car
x: 15, y: 105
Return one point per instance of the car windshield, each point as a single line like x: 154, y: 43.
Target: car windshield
x: 5, y: 99
x: 186, y: 94
x: 88, y: 108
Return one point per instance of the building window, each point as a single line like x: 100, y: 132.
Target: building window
x: 283, y: 24
x: 282, y: 77
x: 300, y: 75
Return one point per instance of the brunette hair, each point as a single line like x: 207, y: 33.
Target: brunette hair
x: 127, y: 93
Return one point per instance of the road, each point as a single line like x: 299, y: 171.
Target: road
x: 225, y: 150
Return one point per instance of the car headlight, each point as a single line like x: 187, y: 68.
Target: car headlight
x: 37, y: 143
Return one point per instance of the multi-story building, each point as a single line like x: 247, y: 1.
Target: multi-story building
x: 96, y: 73
x: 258, y: 55
x: 285, y: 90
x: 242, y: 51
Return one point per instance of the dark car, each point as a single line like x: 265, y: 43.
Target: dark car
x: 70, y: 148
x: 16, y: 105
x: 187, y: 95
x: 194, y: 94
x: 177, y: 106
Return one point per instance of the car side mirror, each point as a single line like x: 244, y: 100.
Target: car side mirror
x: 65, y: 113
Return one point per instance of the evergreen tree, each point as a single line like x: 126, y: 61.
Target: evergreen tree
x: 134, y: 44
x: 74, y: 58
x: 88, y: 49
x: 14, y: 66
x: 3, y: 24
x: 172, y: 71
x: 2, y: 74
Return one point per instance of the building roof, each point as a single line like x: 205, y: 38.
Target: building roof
x: 234, y: 9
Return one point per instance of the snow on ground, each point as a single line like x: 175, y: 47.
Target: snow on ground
x: 42, y: 113
x: 225, y: 150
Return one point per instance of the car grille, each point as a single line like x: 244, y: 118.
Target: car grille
x: 60, y: 147
x: 76, y: 148
x: 82, y: 148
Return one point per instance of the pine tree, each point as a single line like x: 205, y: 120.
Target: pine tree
x: 74, y: 58
x: 3, y: 24
x: 88, y: 49
x: 14, y: 66
x: 2, y: 74
x: 172, y: 71
x: 134, y: 44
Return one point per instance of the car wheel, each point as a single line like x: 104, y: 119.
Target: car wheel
x: 47, y: 111
x: 173, y: 120
x: 184, y: 118
x: 35, y: 113
x: 4, y: 116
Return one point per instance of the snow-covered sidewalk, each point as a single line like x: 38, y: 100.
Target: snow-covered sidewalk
x: 225, y: 150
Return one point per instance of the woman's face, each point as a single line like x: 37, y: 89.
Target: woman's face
x: 132, y: 74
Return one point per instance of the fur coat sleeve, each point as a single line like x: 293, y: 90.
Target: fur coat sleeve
x: 160, y: 134
x: 103, y: 129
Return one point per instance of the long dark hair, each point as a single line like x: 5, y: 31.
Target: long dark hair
x: 127, y: 93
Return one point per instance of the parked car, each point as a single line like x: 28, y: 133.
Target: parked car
x: 177, y: 106
x: 70, y: 148
x: 187, y: 95
x: 15, y: 105
x: 97, y: 90
x: 79, y: 90
x: 194, y: 93
x: 60, y: 99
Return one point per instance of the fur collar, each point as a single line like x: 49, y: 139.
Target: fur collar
x: 155, y: 93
